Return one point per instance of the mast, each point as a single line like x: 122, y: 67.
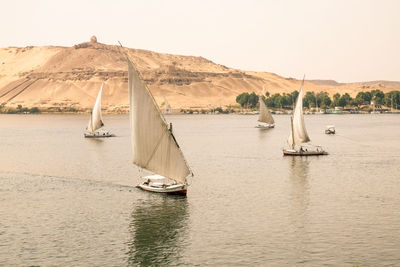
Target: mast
x: 291, y: 124
x: 392, y: 103
x: 91, y: 122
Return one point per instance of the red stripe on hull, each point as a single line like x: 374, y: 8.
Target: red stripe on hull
x: 181, y: 192
x: 304, y: 155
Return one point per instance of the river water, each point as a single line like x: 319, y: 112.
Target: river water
x: 70, y: 201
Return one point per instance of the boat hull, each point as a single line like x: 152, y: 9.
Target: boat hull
x: 178, y: 189
x: 267, y: 126
x: 303, y: 153
x: 98, y: 135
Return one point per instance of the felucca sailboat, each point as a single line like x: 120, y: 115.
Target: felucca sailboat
x: 96, y: 121
x: 298, y: 136
x: 265, y: 116
x: 168, y: 109
x: 153, y: 142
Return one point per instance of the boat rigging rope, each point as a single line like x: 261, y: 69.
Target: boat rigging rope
x: 354, y: 141
x: 154, y: 150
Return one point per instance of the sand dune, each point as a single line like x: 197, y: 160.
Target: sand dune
x: 63, y: 77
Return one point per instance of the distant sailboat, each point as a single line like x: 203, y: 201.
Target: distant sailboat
x: 265, y: 116
x: 168, y: 109
x: 96, y: 121
x: 153, y: 142
x: 298, y: 136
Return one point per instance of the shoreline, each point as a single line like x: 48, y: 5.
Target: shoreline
x: 211, y: 114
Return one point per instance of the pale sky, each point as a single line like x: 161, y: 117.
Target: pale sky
x: 344, y: 40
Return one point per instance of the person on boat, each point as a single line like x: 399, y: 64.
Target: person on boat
x: 301, y: 149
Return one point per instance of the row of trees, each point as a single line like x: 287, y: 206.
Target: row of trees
x: 247, y: 100
x: 322, y: 99
x: 20, y: 110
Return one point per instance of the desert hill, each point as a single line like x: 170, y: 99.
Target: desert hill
x: 53, y: 77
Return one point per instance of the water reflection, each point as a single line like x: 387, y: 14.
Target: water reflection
x: 264, y: 132
x: 299, y: 202
x: 158, y: 231
x: 298, y: 173
x: 95, y: 141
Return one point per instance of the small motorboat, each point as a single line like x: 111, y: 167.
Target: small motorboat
x: 160, y: 184
x: 330, y: 129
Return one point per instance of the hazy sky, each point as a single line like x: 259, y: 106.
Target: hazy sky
x: 345, y: 40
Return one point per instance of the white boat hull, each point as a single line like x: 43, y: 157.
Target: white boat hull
x: 177, y: 189
x: 292, y: 152
x: 266, y: 126
x: 98, y: 135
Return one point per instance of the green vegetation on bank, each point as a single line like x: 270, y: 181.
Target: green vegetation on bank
x: 35, y: 110
x: 247, y: 100
x: 322, y: 99
x: 19, y: 110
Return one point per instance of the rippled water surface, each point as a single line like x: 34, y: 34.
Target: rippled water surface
x: 66, y: 200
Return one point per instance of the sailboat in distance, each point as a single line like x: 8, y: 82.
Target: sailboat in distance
x: 265, y: 116
x: 168, y: 109
x: 298, y: 135
x: 153, y: 142
x: 96, y: 120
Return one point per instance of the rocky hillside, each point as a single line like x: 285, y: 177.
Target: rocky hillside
x: 61, y: 78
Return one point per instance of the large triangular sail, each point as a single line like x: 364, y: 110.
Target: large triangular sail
x: 154, y: 145
x: 96, y: 121
x: 265, y: 115
x: 298, y: 135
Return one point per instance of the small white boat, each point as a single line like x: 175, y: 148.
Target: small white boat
x: 298, y: 138
x: 153, y: 143
x: 265, y: 116
x: 96, y: 120
x: 330, y: 129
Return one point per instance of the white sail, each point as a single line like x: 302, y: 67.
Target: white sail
x: 154, y: 146
x: 168, y: 108
x: 298, y: 135
x: 265, y: 115
x: 96, y: 121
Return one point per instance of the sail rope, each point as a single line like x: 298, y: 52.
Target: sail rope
x: 354, y: 141
x: 155, y: 149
